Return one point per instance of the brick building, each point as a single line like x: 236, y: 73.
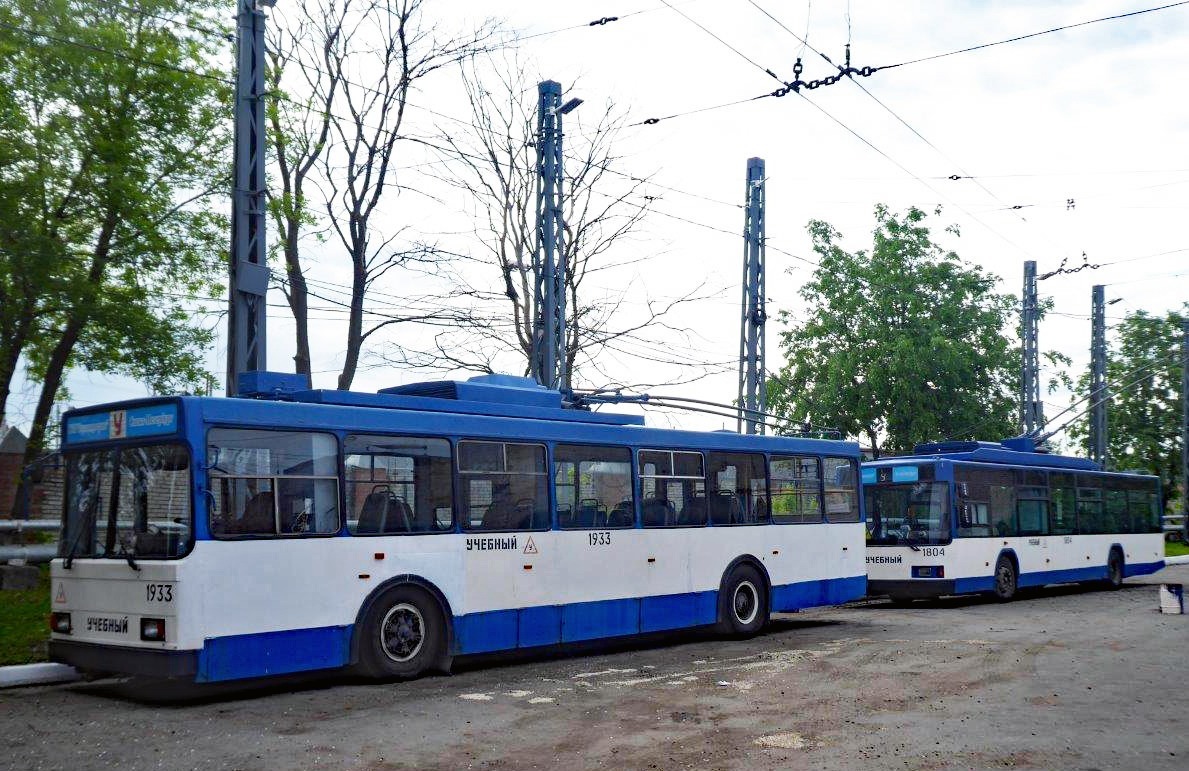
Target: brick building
x: 12, y: 458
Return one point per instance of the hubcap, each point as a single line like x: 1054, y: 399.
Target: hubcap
x: 402, y: 633
x: 746, y: 602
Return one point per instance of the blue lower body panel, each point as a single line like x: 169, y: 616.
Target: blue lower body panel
x: 552, y: 624
x: 1042, y: 578
x: 808, y: 594
x: 273, y: 653
x: 303, y: 650
x: 1143, y: 568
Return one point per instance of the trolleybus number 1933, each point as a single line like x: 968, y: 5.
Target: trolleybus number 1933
x: 158, y: 592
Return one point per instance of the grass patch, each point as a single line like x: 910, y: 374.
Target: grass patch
x: 1175, y: 549
x: 24, y: 622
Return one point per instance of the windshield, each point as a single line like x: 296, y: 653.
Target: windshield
x: 916, y: 513
x: 127, y: 502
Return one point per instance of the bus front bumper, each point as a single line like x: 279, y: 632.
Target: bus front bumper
x: 918, y: 588
x: 90, y: 657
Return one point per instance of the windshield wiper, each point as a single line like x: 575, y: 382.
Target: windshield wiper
x: 128, y: 555
x: 907, y: 539
x: 86, y: 525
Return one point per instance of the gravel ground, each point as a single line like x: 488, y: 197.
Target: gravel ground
x: 1063, y: 678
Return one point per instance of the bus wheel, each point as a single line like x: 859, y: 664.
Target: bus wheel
x: 402, y: 634
x: 743, y: 602
x: 1005, y: 579
x: 1114, y: 570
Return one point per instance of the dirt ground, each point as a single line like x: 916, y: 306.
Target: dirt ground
x: 1063, y: 678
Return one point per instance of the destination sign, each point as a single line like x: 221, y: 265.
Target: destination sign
x: 155, y: 420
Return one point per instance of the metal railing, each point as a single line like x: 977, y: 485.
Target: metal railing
x: 28, y: 553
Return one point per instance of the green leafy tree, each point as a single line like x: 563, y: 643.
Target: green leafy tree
x: 113, y: 136
x: 1143, y: 375
x: 900, y: 344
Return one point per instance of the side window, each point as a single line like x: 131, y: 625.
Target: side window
x: 672, y: 488
x: 1032, y: 503
x: 1003, y: 508
x: 593, y: 486
x: 272, y: 483
x: 1143, y: 506
x: 840, y: 479
x: 398, y: 485
x: 973, y: 489
x: 1090, y: 514
x: 1116, y: 519
x: 738, y: 489
x: 796, y: 489
x: 1062, y: 507
x: 504, y: 486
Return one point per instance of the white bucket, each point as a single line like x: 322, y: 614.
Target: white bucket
x: 1172, y: 598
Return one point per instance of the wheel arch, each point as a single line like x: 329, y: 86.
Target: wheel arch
x: 1011, y: 555
x: 408, y: 579
x: 752, y: 561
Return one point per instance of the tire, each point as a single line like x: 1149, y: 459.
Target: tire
x: 743, y: 602
x: 1006, y: 579
x: 402, y: 635
x: 1114, y: 570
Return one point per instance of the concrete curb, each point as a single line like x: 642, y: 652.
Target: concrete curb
x: 36, y: 674
x: 1181, y: 560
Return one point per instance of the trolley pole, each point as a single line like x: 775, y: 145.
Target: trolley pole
x: 549, y: 360
x: 1031, y: 413
x: 247, y: 314
x: 753, y: 397
x: 1098, y: 392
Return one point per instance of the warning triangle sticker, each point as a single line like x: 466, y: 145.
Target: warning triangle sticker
x: 530, y: 547
x: 60, y: 597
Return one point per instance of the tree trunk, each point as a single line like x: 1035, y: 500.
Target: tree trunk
x: 355, y: 322
x: 8, y: 364
x: 298, y: 299
x: 871, y: 434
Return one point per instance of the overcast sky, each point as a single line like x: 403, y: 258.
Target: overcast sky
x: 1097, y: 115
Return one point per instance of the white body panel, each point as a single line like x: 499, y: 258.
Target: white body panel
x: 972, y: 558
x: 228, y: 588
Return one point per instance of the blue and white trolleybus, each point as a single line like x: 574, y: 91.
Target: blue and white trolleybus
x: 222, y: 538
x: 968, y: 517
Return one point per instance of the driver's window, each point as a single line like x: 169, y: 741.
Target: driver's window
x: 270, y: 483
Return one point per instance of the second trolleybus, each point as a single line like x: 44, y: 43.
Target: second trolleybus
x: 975, y: 517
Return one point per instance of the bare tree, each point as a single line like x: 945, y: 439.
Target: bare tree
x: 300, y: 128
x: 358, y: 60
x: 494, y: 164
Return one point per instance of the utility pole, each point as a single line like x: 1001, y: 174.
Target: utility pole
x: 1098, y: 392
x: 1031, y: 412
x: 1185, y: 422
x: 753, y: 398
x: 549, y: 263
x: 248, y: 262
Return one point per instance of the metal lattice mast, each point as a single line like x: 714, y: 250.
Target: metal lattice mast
x: 1031, y: 412
x: 248, y: 262
x: 1098, y: 392
x: 549, y: 266
x: 753, y: 398
x: 1185, y: 420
